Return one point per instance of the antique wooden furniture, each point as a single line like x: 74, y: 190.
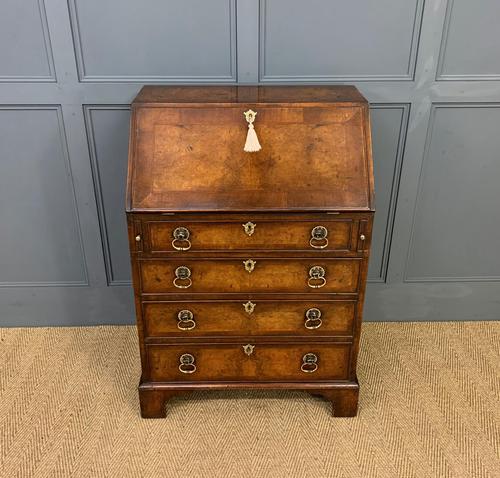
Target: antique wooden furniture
x: 249, y: 268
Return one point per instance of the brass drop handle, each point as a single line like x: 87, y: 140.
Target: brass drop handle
x: 185, y: 320
x: 249, y: 228
x: 182, y: 277
x: 309, y: 363
x: 181, y: 240
x: 313, y: 319
x: 318, y: 237
x: 249, y: 265
x: 187, y: 363
x: 316, y: 277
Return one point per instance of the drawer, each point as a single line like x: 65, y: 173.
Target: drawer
x: 250, y: 275
x: 256, y: 234
x: 251, y: 317
x: 256, y: 362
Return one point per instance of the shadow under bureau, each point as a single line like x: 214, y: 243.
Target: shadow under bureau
x: 249, y: 268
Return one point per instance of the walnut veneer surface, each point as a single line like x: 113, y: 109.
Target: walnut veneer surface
x: 249, y: 269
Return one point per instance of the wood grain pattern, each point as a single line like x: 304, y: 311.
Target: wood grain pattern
x: 187, y: 169
x: 173, y: 95
x: 270, y: 235
x: 306, y: 150
x: 270, y: 275
x: 230, y: 318
x: 223, y: 362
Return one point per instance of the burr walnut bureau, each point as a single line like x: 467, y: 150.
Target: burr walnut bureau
x: 249, y: 216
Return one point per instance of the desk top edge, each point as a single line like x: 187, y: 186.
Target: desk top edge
x: 236, y: 94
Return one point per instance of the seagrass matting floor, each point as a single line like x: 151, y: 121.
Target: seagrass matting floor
x: 429, y: 408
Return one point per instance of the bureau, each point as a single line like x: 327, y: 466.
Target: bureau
x: 249, y: 214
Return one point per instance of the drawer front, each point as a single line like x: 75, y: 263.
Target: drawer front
x: 252, y: 317
x: 251, y: 275
x: 256, y: 362
x: 332, y: 235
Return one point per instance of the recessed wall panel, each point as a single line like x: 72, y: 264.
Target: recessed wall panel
x: 107, y: 128
x: 470, y: 46
x: 39, y: 232
x: 25, y: 54
x: 322, y: 40
x: 456, y: 229
x: 388, y: 124
x: 158, y: 40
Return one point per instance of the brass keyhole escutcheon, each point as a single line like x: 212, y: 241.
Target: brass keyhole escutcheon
x: 249, y: 265
x: 250, y: 116
x: 249, y: 307
x: 249, y: 228
x: 248, y: 349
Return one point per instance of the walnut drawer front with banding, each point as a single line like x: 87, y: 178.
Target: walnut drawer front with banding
x: 229, y: 275
x: 250, y: 214
x: 322, y: 234
x: 248, y: 361
x: 256, y: 317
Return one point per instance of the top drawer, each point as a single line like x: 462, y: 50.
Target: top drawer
x: 331, y: 235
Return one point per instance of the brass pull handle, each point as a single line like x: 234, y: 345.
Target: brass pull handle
x: 182, y: 277
x: 185, y: 320
x: 362, y: 237
x: 187, y: 363
x: 316, y: 277
x: 309, y: 363
x: 138, y: 238
x: 249, y: 228
x: 248, y: 349
x: 318, y: 237
x: 313, y: 319
x: 249, y: 307
x: 181, y: 240
x: 249, y: 265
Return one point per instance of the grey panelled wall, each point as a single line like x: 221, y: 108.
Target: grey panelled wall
x: 69, y: 69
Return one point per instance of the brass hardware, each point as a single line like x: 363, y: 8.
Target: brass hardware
x: 313, y: 319
x: 248, y: 349
x: 249, y: 265
x: 181, y: 235
x: 318, y: 237
x: 309, y: 363
x: 182, y: 273
x: 252, y: 144
x: 362, y: 237
x: 185, y: 320
x: 250, y: 116
x: 138, y: 238
x: 316, y: 273
x: 249, y: 307
x: 249, y: 228
x: 187, y: 363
